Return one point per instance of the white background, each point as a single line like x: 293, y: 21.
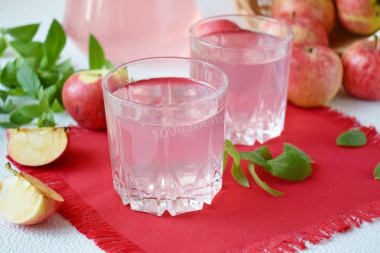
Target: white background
x: 57, y: 234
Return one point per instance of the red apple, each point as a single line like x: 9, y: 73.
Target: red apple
x: 315, y: 75
x: 82, y: 97
x: 25, y: 200
x: 361, y: 63
x: 359, y: 16
x: 322, y: 11
x: 37, y: 146
x: 307, y: 31
x: 214, y: 26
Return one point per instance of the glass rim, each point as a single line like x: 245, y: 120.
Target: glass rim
x: 250, y: 16
x: 215, y: 94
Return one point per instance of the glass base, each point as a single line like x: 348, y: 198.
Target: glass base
x: 179, y: 205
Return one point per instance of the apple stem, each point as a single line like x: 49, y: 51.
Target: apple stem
x: 311, y: 50
x: 9, y: 168
x: 376, y: 38
x: 293, y: 15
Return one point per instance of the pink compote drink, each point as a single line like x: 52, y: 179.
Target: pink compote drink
x: 257, y: 66
x: 166, y: 150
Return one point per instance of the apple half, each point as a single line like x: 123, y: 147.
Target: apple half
x: 25, y: 200
x: 37, y: 146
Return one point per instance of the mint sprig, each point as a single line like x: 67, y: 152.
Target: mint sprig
x: 293, y: 164
x: 37, y: 72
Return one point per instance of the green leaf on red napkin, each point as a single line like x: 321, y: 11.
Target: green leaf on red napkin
x: 262, y: 184
x: 352, y: 138
x: 293, y: 164
x: 376, y: 172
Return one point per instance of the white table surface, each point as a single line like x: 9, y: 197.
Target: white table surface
x: 57, y: 234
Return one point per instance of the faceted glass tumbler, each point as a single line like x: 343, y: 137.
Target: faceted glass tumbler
x: 165, y: 125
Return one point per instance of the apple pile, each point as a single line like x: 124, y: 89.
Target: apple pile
x: 316, y: 71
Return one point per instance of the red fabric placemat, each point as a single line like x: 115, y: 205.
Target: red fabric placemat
x: 340, y: 193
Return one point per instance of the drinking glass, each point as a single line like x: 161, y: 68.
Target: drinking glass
x: 254, y: 52
x: 165, y: 124
x: 132, y: 29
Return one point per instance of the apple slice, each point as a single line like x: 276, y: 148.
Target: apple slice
x: 37, y: 146
x: 25, y: 200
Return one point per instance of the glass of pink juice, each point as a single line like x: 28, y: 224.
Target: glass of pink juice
x: 132, y: 29
x: 254, y: 52
x: 165, y: 124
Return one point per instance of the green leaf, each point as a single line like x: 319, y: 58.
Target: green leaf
x: 254, y: 157
x: 352, y: 138
x: 108, y: 64
x: 262, y: 184
x: 8, y: 107
x: 264, y: 152
x: 65, y: 67
x: 44, y: 101
x: 376, y: 172
x: 16, y: 92
x: 23, y: 33
x: 56, y: 106
x: 3, y: 95
x: 291, y: 148
x: 3, y: 45
x: 9, y: 125
x: 239, y: 176
x: 29, y: 81
x: 8, y: 75
x: 96, y: 55
x: 51, y: 92
x: 225, y: 158
x: 230, y: 149
x: 48, y: 77
x: 289, y: 166
x: 54, y: 43
x: 18, y: 118
x: 30, y: 111
x: 47, y: 120
x: 28, y: 49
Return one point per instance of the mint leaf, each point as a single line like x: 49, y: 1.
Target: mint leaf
x: 239, y: 176
x: 3, y: 45
x: 56, y: 106
x: 28, y: 49
x: 29, y: 81
x: 47, y: 120
x: 23, y: 33
x: 65, y: 67
x: 230, y: 149
x: 376, y: 172
x: 8, y: 107
x: 30, y: 111
x: 352, y: 138
x: 289, y: 166
x: 291, y: 148
x: 18, y: 118
x: 96, y: 54
x: 54, y: 43
x: 254, y: 157
x: 8, y: 75
x: 48, y: 77
x: 225, y: 158
x: 264, y: 152
x: 9, y: 125
x: 44, y: 101
x: 262, y: 184
x: 16, y: 92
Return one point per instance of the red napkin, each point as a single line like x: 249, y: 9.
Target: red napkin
x: 340, y: 193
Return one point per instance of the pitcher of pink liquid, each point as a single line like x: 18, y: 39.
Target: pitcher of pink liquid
x: 132, y: 29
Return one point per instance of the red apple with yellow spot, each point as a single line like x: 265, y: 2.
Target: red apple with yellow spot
x: 315, y: 75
